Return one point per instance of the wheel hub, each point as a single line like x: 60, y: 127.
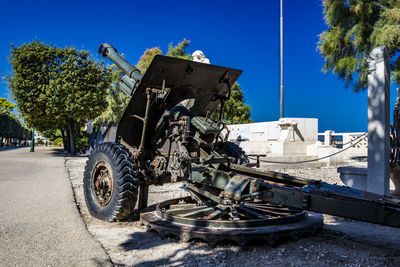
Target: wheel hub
x: 102, y: 183
x: 249, y: 221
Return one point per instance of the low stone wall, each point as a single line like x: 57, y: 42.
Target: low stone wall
x: 286, y: 137
x: 297, y: 139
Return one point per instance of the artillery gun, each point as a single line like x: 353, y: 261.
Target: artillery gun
x: 166, y: 135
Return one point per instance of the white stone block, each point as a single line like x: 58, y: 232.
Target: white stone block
x: 354, y: 177
x: 378, y: 121
x: 268, y: 137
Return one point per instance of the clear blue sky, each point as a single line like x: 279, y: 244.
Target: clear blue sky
x: 238, y: 34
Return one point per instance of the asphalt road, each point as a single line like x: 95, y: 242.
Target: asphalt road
x: 40, y: 224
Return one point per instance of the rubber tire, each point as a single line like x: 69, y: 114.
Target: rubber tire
x: 125, y: 179
x: 235, y: 151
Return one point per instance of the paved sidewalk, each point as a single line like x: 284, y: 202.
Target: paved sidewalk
x: 39, y: 221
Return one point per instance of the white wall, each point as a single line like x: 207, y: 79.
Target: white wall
x: 275, y: 137
x: 291, y: 138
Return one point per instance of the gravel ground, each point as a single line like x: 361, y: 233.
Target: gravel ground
x: 342, y: 242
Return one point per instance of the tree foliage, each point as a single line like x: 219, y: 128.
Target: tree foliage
x: 116, y: 100
x: 10, y: 126
x: 147, y: 57
x: 5, y: 105
x: 51, y: 134
x: 355, y: 28
x: 235, y: 110
x: 179, y: 50
x: 57, y: 88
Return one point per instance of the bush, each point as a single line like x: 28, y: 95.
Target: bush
x: 58, y: 142
x: 81, y: 140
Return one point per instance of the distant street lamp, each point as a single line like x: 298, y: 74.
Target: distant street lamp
x: 33, y: 140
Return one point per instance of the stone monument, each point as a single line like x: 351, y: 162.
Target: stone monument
x: 379, y: 121
x: 376, y: 178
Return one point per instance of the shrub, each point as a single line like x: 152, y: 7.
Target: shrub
x: 58, y: 142
x: 81, y: 140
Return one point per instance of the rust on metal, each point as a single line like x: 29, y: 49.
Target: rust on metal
x: 102, y: 183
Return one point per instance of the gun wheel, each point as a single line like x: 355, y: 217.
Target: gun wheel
x: 248, y: 222
x: 110, y: 182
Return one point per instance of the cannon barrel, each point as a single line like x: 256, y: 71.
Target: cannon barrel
x: 127, y: 85
x: 111, y: 53
x: 125, y: 88
x: 128, y: 81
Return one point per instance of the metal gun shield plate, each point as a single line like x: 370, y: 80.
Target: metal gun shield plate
x: 184, y: 79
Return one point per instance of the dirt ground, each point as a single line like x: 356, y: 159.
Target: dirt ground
x: 341, y: 242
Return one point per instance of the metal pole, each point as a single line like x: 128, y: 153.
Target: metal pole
x: 33, y: 140
x: 281, y: 52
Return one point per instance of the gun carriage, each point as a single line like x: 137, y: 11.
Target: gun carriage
x: 166, y: 135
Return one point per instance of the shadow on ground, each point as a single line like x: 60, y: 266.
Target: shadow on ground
x: 5, y: 148
x: 144, y: 240
x: 60, y: 152
x: 360, y: 158
x: 194, y: 253
x: 102, y: 263
x: 190, y: 254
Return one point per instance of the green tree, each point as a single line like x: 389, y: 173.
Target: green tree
x: 235, y: 110
x: 179, y: 50
x: 7, y: 126
x: 51, y: 134
x: 10, y: 125
x: 355, y: 28
x: 5, y: 105
x: 116, y: 100
x: 147, y: 57
x: 57, y: 88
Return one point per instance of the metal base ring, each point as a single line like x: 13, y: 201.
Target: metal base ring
x: 177, y: 217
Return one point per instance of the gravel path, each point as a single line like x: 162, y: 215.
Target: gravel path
x: 342, y: 242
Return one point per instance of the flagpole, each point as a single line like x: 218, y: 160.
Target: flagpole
x: 281, y: 61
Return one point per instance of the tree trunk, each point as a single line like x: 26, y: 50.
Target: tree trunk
x: 67, y: 141
x: 64, y: 139
x: 72, y: 138
x: 1, y: 141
